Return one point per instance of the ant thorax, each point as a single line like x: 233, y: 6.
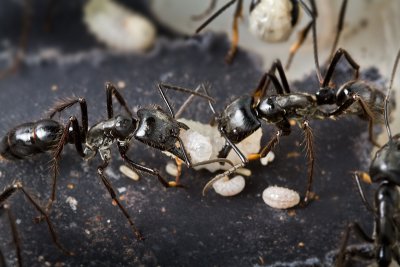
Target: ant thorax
x: 204, y: 142
x: 273, y: 21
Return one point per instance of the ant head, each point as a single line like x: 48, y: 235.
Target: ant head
x: 124, y: 126
x: 239, y: 119
x: 385, y: 165
x: 326, y: 96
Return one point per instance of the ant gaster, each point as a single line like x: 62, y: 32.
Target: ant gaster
x: 154, y: 127
x: 244, y: 115
x: 384, y: 171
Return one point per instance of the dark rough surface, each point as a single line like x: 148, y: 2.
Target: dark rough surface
x: 181, y: 227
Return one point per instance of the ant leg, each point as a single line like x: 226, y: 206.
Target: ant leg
x: 339, y: 27
x: 23, y: 40
x: 215, y: 15
x: 15, y: 236
x: 56, y: 157
x: 123, y: 150
x: 356, y: 176
x: 335, y: 59
x: 111, y: 91
x: 264, y: 83
x: 235, y: 33
x: 360, y: 233
x: 179, y: 170
x: 284, y: 130
x: 3, y: 261
x: 111, y: 191
x: 205, y: 13
x: 162, y: 86
x: 366, y: 110
x: 8, y: 192
x: 311, y: 158
x: 313, y: 14
x: 69, y: 102
x: 187, y: 102
x: 302, y: 35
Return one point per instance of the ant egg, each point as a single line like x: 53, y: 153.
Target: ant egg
x: 280, y: 197
x: 229, y: 187
x: 271, y: 20
x: 268, y: 158
x: 129, y: 172
x: 118, y: 27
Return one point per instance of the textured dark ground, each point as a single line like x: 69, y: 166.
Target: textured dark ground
x: 181, y: 227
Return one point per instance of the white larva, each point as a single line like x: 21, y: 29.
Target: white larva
x: 204, y: 142
x: 118, y: 27
x: 280, y: 197
x: 129, y: 172
x: 268, y: 158
x: 229, y: 187
x: 271, y: 20
x: 171, y: 169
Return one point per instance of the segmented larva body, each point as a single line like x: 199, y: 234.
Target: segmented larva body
x: 204, y: 142
x: 280, y: 197
x: 229, y: 187
x: 118, y: 27
x: 271, y: 20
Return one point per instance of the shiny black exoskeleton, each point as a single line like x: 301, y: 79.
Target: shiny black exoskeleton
x: 154, y: 127
x: 385, y: 171
x: 244, y: 115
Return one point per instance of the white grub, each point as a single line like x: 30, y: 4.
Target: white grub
x: 72, y: 202
x: 118, y: 27
x: 280, y: 197
x: 211, y: 137
x: 268, y: 158
x: 197, y: 145
x: 171, y: 169
x: 271, y: 20
x: 129, y: 172
x: 229, y: 187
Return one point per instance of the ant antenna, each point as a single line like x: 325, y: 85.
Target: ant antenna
x: 312, y: 13
x: 386, y: 115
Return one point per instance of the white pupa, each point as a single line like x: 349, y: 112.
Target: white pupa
x: 118, y: 27
x: 280, y: 197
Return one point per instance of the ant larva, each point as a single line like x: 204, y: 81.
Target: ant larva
x: 244, y: 115
x: 384, y: 171
x: 6, y: 210
x: 272, y: 21
x: 154, y: 127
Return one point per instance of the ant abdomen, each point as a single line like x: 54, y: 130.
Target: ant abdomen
x: 30, y: 138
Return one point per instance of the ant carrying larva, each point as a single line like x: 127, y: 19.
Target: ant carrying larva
x: 153, y: 127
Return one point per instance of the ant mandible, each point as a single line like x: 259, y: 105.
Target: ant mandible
x: 384, y: 170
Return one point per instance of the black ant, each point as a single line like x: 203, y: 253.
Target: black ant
x: 5, y: 209
x: 272, y: 21
x: 154, y: 127
x: 244, y: 115
x: 385, y: 171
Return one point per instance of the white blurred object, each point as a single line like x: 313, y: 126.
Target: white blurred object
x: 118, y: 27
